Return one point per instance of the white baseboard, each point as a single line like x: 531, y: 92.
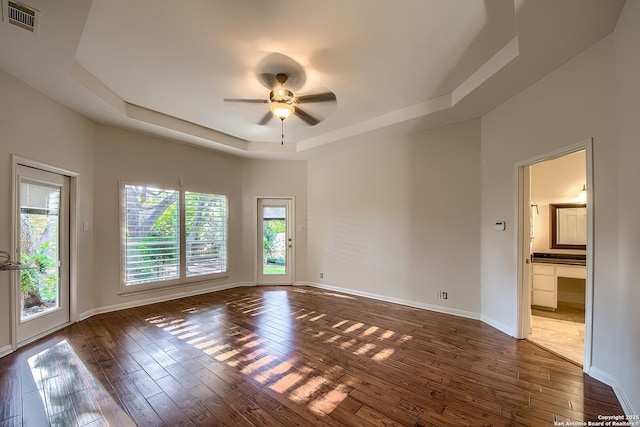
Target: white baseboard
x: 163, y: 298
x: 498, y: 325
x: 86, y: 314
x: 385, y: 298
x: 614, y: 383
x: 7, y: 349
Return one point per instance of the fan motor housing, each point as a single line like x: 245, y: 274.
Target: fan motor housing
x: 282, y: 95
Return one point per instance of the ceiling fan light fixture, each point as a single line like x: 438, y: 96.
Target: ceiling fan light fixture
x: 281, y: 110
x: 281, y: 92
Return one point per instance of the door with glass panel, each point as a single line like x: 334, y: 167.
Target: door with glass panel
x: 42, y: 245
x: 275, y: 241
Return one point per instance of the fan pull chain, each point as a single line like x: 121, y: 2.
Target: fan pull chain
x: 282, y: 127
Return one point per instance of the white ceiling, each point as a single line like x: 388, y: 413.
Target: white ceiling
x: 559, y: 180
x: 164, y: 67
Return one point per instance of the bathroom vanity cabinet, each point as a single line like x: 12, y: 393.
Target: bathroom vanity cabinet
x: 544, y: 289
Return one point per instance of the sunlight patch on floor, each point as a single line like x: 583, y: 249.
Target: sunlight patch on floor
x: 286, y: 382
x: 304, y: 392
x: 383, y: 354
x: 354, y: 327
x: 364, y: 349
x: 59, y: 374
x: 326, y: 403
x: 251, y: 353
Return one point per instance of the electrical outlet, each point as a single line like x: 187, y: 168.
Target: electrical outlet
x: 322, y: 275
x: 444, y: 295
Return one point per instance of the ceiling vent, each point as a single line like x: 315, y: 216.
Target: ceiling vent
x: 23, y: 16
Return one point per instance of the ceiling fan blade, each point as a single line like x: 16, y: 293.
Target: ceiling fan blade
x: 318, y: 97
x: 308, y: 118
x: 251, y: 101
x: 265, y: 119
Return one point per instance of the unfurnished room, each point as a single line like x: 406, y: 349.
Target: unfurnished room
x: 305, y: 213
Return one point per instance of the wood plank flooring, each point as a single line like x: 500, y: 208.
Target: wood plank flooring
x: 291, y: 356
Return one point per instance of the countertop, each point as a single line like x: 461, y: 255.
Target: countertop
x: 567, y: 259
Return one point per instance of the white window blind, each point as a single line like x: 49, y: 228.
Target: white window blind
x: 152, y: 235
x: 205, y: 233
x: 172, y: 235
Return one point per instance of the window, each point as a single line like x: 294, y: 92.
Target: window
x: 151, y: 235
x: 205, y: 233
x: 169, y: 235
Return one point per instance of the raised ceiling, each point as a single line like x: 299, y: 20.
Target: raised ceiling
x: 164, y: 67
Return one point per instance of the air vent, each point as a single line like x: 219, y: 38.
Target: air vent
x: 23, y: 16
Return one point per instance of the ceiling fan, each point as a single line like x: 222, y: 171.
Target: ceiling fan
x: 283, y: 102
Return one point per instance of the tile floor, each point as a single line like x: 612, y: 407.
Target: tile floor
x: 560, y: 331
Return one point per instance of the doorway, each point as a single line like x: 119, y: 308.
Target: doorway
x: 275, y: 246
x: 42, y: 227
x: 556, y: 287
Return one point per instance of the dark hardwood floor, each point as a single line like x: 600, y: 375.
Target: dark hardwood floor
x: 292, y: 356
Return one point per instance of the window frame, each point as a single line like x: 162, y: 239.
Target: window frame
x: 183, y: 279
x: 183, y: 236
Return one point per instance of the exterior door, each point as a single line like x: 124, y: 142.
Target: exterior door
x: 275, y: 242
x: 43, y: 245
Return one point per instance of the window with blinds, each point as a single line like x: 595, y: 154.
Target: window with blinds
x: 159, y: 246
x: 205, y: 233
x: 151, y: 235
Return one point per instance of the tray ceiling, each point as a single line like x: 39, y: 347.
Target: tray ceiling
x: 164, y: 67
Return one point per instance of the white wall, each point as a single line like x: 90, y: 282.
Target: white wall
x: 143, y: 159
x: 38, y: 128
x: 573, y: 103
x: 398, y: 217
x: 139, y: 158
x: 271, y: 178
x: 627, y: 68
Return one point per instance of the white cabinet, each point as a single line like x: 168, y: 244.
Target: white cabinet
x: 544, y: 288
x: 572, y: 271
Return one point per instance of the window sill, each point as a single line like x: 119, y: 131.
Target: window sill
x: 146, y: 288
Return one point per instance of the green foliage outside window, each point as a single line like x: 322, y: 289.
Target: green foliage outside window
x: 271, y: 230
x: 40, y: 280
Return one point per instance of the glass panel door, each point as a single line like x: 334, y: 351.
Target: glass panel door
x: 275, y: 241
x: 43, y: 297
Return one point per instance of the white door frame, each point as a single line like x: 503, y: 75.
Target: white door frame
x: 523, y: 286
x: 73, y: 245
x: 524, y: 236
x: 291, y: 230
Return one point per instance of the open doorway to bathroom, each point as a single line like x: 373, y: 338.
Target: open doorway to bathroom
x: 556, y: 247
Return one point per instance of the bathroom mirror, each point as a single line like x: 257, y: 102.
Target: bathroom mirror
x: 568, y: 226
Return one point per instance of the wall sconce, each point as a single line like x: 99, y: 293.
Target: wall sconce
x: 582, y: 195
